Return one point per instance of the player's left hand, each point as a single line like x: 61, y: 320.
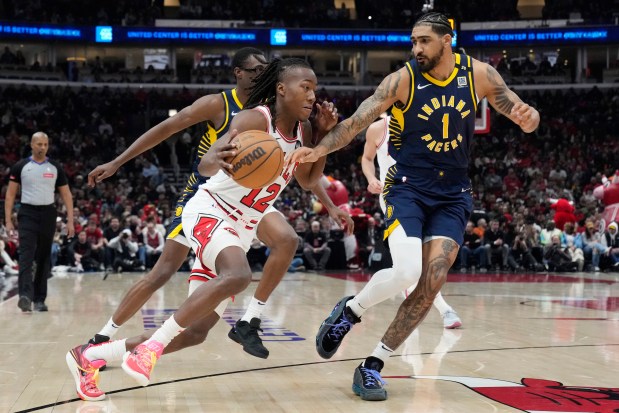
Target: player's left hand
x: 525, y: 116
x: 325, y: 119
x: 343, y: 218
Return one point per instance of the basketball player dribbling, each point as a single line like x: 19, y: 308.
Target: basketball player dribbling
x: 376, y: 142
x: 282, y: 100
x: 216, y: 111
x: 427, y: 193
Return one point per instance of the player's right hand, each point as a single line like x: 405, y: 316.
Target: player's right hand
x: 101, y: 172
x: 375, y: 187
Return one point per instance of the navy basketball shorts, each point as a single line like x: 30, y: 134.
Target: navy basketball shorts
x: 175, y: 229
x: 429, y: 203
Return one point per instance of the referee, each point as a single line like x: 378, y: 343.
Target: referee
x: 38, y: 177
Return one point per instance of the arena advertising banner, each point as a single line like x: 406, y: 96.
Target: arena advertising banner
x: 283, y: 37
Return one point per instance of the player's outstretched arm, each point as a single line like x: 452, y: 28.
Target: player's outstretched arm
x: 372, y: 139
x: 208, y: 107
x: 490, y: 84
x: 393, y: 88
x: 222, y: 149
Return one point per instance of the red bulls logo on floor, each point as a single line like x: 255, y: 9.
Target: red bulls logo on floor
x: 541, y: 396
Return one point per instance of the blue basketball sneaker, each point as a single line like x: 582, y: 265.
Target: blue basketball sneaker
x: 334, y: 328
x: 367, y: 382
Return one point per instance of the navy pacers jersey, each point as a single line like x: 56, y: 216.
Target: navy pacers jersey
x: 232, y: 106
x: 430, y: 137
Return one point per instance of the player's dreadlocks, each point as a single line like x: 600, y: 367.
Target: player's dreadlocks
x: 263, y: 91
x: 438, y: 21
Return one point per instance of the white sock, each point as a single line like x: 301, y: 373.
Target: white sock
x: 108, y: 351
x: 167, y: 332
x: 254, y: 310
x: 441, y: 305
x: 110, y: 329
x: 382, y: 352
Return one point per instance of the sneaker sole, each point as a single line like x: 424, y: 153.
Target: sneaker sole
x: 324, y: 327
x: 74, y: 369
x: 370, y: 395
x: 234, y: 337
x: 453, y: 326
x: 141, y: 379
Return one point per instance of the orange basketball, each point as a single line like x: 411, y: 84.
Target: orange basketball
x: 259, y: 159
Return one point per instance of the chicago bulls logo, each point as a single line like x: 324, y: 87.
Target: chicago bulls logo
x: 539, y: 395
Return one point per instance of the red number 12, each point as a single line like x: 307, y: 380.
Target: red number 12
x: 261, y: 204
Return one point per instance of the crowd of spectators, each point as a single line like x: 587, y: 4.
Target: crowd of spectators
x: 292, y: 13
x: 514, y: 177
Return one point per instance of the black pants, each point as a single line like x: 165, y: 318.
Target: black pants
x: 36, y: 227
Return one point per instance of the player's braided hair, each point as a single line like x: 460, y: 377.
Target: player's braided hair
x: 438, y: 21
x: 264, y: 91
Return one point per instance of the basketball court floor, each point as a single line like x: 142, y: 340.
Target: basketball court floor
x: 530, y: 342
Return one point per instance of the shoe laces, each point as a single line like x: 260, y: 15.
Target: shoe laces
x: 145, y: 358
x: 371, y: 378
x: 340, y: 329
x: 91, y: 380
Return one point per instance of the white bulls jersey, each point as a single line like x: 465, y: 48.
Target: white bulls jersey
x: 382, y: 155
x: 249, y: 205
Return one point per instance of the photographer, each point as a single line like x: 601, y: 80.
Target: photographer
x: 558, y: 259
x: 125, y: 252
x: 522, y: 255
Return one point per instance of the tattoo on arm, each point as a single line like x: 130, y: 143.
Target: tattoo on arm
x: 365, y: 114
x: 415, y: 308
x: 503, y: 97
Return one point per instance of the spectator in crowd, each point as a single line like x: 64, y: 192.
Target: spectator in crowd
x: 9, y: 267
x: 60, y: 241
x: 297, y: 261
x: 592, y: 245
x: 494, y: 243
x: 125, y: 252
x: 549, y: 232
x: 481, y: 227
x: 522, y: 251
x: 80, y: 254
x: 511, y: 182
x: 153, y: 243
x: 610, y: 240
x: 367, y: 241
x: 472, y: 245
x: 493, y: 182
x: 316, y: 247
x: 256, y: 256
x: 556, y: 256
x: 110, y: 232
x: 95, y: 237
x: 573, y: 242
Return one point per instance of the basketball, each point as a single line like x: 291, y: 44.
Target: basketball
x: 259, y: 159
